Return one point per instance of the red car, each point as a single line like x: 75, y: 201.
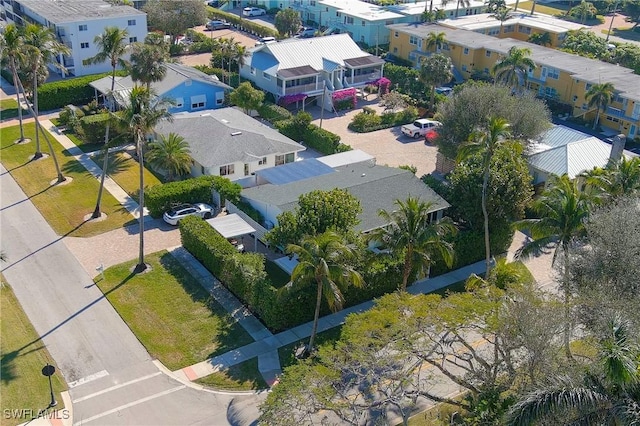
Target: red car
x: 430, y: 136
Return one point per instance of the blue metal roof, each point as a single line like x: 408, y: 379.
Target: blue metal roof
x: 292, y: 172
x: 263, y: 61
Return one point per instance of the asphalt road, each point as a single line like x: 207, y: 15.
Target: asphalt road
x: 112, y: 378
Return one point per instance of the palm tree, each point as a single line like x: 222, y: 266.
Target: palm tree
x: 562, y: 210
x: 148, y: 63
x: 502, y: 14
x: 608, y: 394
x: 514, y: 66
x: 541, y: 39
x: 584, y: 10
x: 170, y: 153
x: 624, y: 177
x: 465, y: 3
x: 409, y: 231
x: 486, y: 142
x: 599, y: 95
x: 11, y: 44
x: 143, y: 111
x: 435, y: 40
x: 112, y: 45
x: 239, y: 55
x: 322, y: 260
x: 434, y: 71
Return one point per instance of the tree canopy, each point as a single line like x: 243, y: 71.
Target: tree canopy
x: 246, y: 97
x: 175, y: 17
x: 287, y: 22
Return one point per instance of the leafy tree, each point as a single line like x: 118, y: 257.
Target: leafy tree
x: 434, y: 71
x: 175, y: 17
x: 585, y: 43
x: 583, y: 11
x: 472, y: 106
x: 287, y: 22
x: 599, y: 95
x: 486, y: 142
x: 246, y: 97
x: 632, y: 10
x: 323, y: 262
x: 317, y: 212
x: 541, y: 39
x: 410, y: 233
x: 170, y: 153
x: 143, y: 111
x: 12, y: 46
x: 147, y: 63
x: 112, y: 46
x: 513, y: 69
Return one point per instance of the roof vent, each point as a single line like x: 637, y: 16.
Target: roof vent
x: 206, y: 114
x: 236, y: 133
x: 224, y: 120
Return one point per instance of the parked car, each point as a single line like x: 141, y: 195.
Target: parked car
x: 176, y: 214
x: 253, y: 11
x: 217, y: 25
x: 430, y: 136
x: 306, y: 32
x: 265, y: 40
x: 444, y: 91
x: 419, y: 127
x: 213, y: 3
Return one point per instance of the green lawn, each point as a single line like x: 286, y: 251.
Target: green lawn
x: 276, y: 274
x: 63, y: 206
x: 9, y: 109
x: 243, y: 376
x: 626, y: 33
x: 22, y: 356
x: 84, y: 147
x: 170, y: 313
x: 552, y: 9
x: 124, y: 171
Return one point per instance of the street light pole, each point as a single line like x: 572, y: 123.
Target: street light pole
x: 48, y: 371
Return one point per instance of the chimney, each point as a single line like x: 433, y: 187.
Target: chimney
x: 617, y: 146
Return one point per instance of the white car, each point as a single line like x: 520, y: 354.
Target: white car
x: 419, y: 127
x: 176, y: 214
x: 253, y: 11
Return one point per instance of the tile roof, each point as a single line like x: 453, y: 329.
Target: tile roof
x: 63, y: 11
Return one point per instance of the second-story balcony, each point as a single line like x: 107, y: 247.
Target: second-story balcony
x: 619, y: 113
x: 303, y: 88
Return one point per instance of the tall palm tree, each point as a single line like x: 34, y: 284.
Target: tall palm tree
x: 624, y: 177
x: 502, y: 14
x: 599, y: 95
x: 42, y: 48
x: 486, y: 141
x: 148, y: 63
x: 434, y: 71
x: 323, y: 262
x: 239, y: 56
x: 12, y: 47
x: 583, y: 10
x: 606, y: 395
x: 515, y: 66
x: 170, y: 153
x: 541, y: 39
x: 112, y: 44
x: 409, y: 231
x: 435, y: 40
x: 562, y: 210
x: 465, y: 3
x: 143, y: 111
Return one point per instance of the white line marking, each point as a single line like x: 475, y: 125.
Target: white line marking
x: 88, y: 378
x: 129, y: 405
x: 112, y: 388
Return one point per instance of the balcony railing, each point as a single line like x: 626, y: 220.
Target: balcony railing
x: 302, y: 88
x: 618, y: 113
x: 362, y: 78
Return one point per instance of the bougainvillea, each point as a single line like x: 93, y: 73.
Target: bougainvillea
x: 344, y: 99
x: 383, y: 83
x: 289, y: 99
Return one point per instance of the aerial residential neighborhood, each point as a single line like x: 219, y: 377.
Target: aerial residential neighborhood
x: 319, y: 212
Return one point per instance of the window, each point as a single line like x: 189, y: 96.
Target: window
x: 389, y: 22
x: 587, y: 87
x: 338, y: 14
x: 466, y: 51
x: 395, y: 34
x: 312, y: 2
x: 361, y: 39
x: 445, y: 46
x: 364, y: 23
x: 289, y: 158
x: 131, y: 22
x: 227, y: 170
x: 464, y: 68
x: 508, y: 29
x: 584, y: 106
x: 246, y: 169
x: 524, y: 30
x: 279, y: 160
x: 253, y: 71
x: 553, y: 73
x: 82, y: 28
x: 203, y: 170
x: 413, y: 40
x: 133, y: 39
x: 487, y: 54
x: 219, y: 97
x: 395, y: 50
x: 198, y: 101
x: 348, y: 20
x: 575, y: 98
x: 262, y: 162
x: 84, y: 45
x: 266, y: 76
x: 179, y: 103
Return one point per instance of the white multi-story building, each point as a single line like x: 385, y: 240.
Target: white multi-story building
x: 77, y: 23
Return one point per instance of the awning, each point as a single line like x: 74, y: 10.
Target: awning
x: 231, y: 225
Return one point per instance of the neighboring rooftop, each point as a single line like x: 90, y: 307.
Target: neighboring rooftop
x: 486, y: 20
x: 417, y: 8
x: 361, y: 10
x: 585, y: 69
x: 572, y: 158
x: 62, y: 11
x: 226, y: 135
x: 377, y: 188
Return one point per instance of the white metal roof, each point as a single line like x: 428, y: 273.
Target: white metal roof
x: 486, y: 20
x: 347, y: 157
x: 231, y: 225
x: 572, y: 158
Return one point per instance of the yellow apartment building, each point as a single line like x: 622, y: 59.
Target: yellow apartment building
x: 561, y: 76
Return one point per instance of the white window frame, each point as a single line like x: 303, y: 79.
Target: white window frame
x: 179, y: 102
x: 198, y: 101
x: 227, y: 169
x: 266, y: 76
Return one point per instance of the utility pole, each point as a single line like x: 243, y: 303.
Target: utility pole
x: 324, y: 90
x: 613, y: 17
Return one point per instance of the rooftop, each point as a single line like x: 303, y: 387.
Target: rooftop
x: 361, y: 10
x: 63, y: 11
x: 485, y: 20
x: 572, y: 158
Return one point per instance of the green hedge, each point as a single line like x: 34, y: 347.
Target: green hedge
x: 365, y: 122
x: 94, y: 127
x: 243, y: 24
x: 250, y: 211
x: 314, y: 137
x: 159, y: 198
x: 205, y: 244
x: 273, y: 113
x: 75, y: 91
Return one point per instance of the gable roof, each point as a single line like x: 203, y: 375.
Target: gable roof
x: 315, y: 52
x: 224, y: 136
x: 572, y: 158
x: 377, y: 187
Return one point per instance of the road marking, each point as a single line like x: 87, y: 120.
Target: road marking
x: 88, y: 378
x: 129, y: 405
x: 112, y: 388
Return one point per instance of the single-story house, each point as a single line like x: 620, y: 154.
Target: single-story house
x: 306, y: 67
x: 188, y: 88
x: 227, y: 142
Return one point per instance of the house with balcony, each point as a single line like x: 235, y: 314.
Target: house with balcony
x: 76, y: 23
x: 305, y: 68
x: 559, y: 76
x: 188, y: 88
x: 227, y: 142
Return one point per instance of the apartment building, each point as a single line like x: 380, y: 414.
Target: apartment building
x: 77, y: 23
x: 561, y: 76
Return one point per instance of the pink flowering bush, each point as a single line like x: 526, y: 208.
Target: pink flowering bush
x: 344, y: 99
x: 289, y: 99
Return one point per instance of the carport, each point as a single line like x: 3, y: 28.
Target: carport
x: 233, y: 226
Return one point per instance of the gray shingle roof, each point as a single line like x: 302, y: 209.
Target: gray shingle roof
x: 585, y: 69
x: 61, y: 11
x: 377, y: 187
x: 209, y: 134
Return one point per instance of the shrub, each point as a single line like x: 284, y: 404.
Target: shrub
x: 324, y: 141
x: 365, y: 120
x: 93, y: 127
x: 74, y: 91
x: 205, y: 244
x: 159, y: 198
x: 368, y: 122
x: 223, y: 75
x: 273, y: 113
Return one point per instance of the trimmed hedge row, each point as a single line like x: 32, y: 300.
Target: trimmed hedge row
x: 159, y: 198
x: 75, y: 91
x: 243, y: 24
x: 273, y: 113
x: 94, y: 127
x: 313, y: 136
